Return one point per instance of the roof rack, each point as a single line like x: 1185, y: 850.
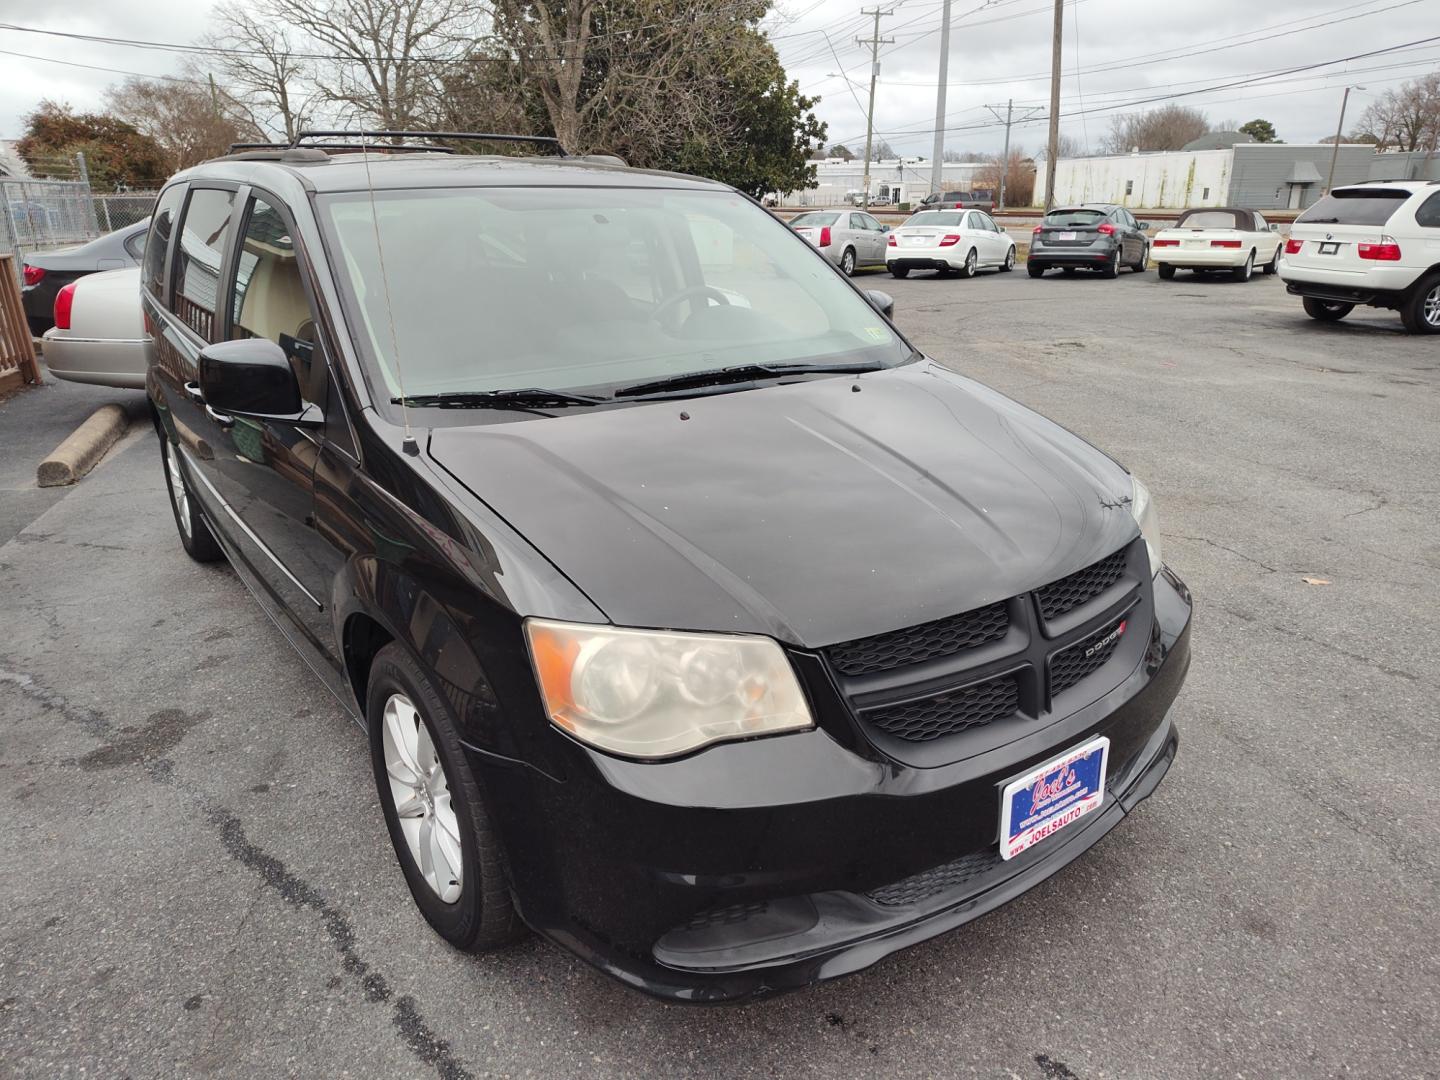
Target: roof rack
x: 364, y: 136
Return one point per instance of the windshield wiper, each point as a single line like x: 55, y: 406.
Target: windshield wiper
x: 527, y: 398
x: 693, y: 380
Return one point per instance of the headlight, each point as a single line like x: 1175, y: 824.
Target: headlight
x: 654, y: 694
x: 1145, y: 516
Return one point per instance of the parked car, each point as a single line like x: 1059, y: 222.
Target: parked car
x: 731, y: 648
x: 1376, y: 244
x: 848, y: 238
x: 1229, y: 239
x: 959, y: 200
x: 1090, y: 236
x: 949, y: 241
x: 45, y: 273
x: 98, y: 337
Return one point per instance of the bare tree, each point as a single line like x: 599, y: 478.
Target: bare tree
x: 1407, y: 118
x: 1169, y: 127
x: 383, y: 57
x: 1069, y: 147
x: 262, y: 71
x: 190, y: 118
x: 1019, y: 174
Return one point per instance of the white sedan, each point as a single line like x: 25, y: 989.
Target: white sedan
x: 949, y: 242
x: 1228, y: 239
x: 98, y: 336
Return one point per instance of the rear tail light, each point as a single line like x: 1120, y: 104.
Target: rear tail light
x: 1225, y: 243
x: 1106, y: 229
x: 949, y: 240
x: 1385, y: 251
x: 891, y: 241
x: 825, y: 236
x: 63, y: 301
x: 1037, y: 229
x: 1293, y: 246
x: 33, y: 275
x: 1166, y: 243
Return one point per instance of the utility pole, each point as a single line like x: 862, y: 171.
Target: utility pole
x: 1340, y: 127
x: 1009, y: 122
x: 874, y: 41
x: 1053, y: 150
x: 937, y: 166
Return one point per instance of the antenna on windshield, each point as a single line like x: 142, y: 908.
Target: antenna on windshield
x: 408, y: 444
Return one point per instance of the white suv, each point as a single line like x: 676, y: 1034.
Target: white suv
x: 1375, y: 244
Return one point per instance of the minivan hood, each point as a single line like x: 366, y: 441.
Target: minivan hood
x: 808, y: 511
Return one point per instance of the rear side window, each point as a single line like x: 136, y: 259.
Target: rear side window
x: 161, y: 225
x: 1355, y: 206
x: 197, y: 259
x: 1429, y: 213
x: 135, y: 245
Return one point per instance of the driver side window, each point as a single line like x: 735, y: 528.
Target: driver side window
x: 269, y: 299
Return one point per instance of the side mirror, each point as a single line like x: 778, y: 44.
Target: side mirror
x: 885, y: 228
x: 253, y: 377
x: 1274, y: 227
x: 882, y: 302
x: 1143, y: 226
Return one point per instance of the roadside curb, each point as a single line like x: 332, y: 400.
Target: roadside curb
x: 84, y: 447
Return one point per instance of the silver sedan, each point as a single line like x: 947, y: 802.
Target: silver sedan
x: 98, y: 335
x: 848, y: 238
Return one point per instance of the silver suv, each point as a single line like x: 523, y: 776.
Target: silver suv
x: 1377, y: 244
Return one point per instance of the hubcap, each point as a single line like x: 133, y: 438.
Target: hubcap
x: 420, y: 791
x: 1432, y: 306
x: 178, y: 492
x: 970, y: 263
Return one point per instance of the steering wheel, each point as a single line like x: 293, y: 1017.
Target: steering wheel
x: 685, y: 294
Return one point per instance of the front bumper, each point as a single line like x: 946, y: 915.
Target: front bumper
x: 768, y: 865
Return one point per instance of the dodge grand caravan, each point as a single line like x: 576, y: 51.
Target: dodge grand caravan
x: 696, y: 620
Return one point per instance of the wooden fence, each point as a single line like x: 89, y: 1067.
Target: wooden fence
x: 17, y: 351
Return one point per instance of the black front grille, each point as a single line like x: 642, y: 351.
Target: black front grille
x: 943, y: 637
x: 945, y: 714
x: 1070, y: 592
x: 1085, y: 657
x: 928, y: 883
x: 726, y: 916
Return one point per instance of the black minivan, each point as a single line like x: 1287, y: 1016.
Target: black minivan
x: 697, y: 621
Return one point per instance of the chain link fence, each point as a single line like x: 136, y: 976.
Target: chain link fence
x: 41, y: 215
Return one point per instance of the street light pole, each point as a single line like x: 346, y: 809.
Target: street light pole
x: 937, y: 178
x: 1339, y: 128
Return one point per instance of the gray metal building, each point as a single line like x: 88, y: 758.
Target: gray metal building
x: 1280, y: 176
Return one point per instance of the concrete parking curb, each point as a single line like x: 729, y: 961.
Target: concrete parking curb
x: 84, y: 447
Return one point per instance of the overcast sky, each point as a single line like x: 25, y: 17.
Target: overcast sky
x: 999, y: 50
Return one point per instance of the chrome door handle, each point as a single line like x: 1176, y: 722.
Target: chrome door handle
x: 194, y: 393
x: 221, y: 419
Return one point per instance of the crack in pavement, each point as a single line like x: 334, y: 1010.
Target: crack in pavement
x: 166, y: 729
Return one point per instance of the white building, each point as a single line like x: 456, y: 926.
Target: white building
x: 1263, y: 176
x: 835, y: 178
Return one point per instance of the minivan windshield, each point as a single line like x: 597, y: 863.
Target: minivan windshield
x: 586, y: 288
x: 1355, y: 206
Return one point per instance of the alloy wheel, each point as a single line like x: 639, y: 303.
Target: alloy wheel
x: 420, y: 791
x: 970, y: 263
x: 1430, y: 310
x: 179, y: 494
x: 847, y: 263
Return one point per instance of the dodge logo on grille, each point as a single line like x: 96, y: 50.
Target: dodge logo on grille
x: 1105, y: 641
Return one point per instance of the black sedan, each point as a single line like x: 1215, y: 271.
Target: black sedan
x: 1093, y: 236
x: 47, y: 272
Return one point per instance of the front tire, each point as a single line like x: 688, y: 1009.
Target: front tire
x: 1009, y: 263
x: 1139, y: 267
x: 1326, y: 310
x: 195, y: 535
x: 1421, y: 312
x: 1242, y: 273
x: 847, y: 262
x: 442, y: 835
x: 1166, y: 272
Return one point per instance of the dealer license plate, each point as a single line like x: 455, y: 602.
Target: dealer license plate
x: 1057, y: 794
x: 1329, y: 249
x: 1067, y: 236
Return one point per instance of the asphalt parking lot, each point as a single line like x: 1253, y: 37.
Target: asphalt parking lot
x: 197, y: 879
